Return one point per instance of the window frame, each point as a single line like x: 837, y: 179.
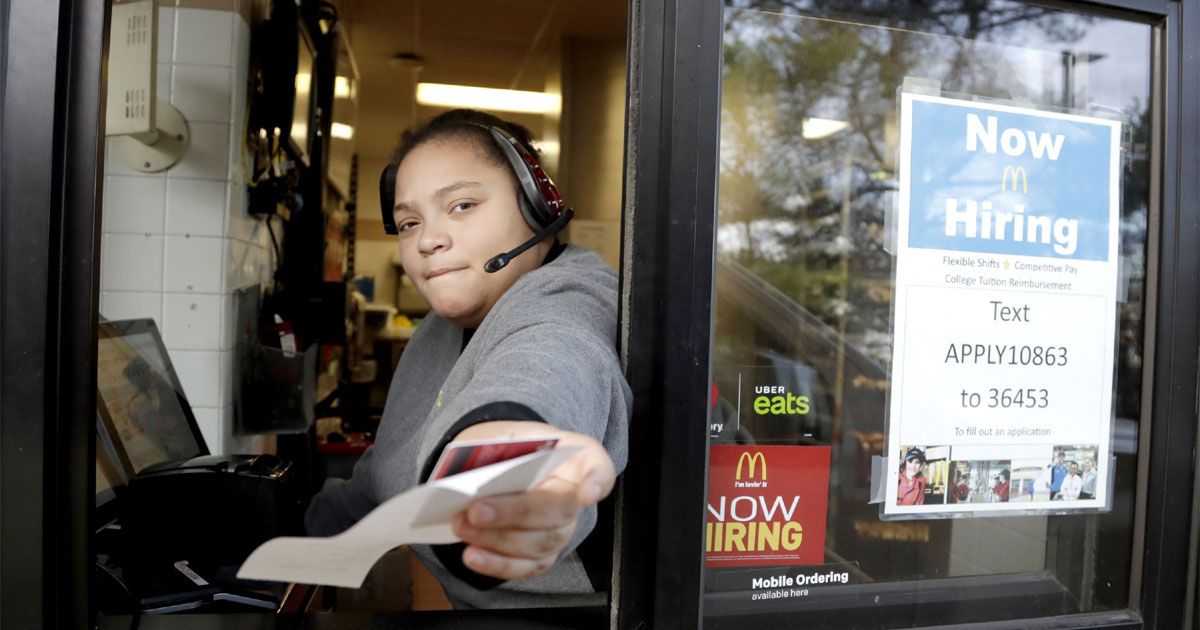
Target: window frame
x: 671, y: 190
x: 668, y: 266
x: 49, y: 220
x: 49, y: 274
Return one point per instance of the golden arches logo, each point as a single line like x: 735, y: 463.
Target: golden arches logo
x: 1015, y: 172
x: 752, y: 459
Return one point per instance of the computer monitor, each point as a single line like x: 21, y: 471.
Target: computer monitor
x: 302, y: 110
x: 143, y: 411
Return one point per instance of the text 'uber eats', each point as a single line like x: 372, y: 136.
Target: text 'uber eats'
x: 775, y: 401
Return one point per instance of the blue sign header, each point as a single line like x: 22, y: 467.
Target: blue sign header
x: 1000, y: 181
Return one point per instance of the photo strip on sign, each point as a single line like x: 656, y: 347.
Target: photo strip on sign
x: 1004, y: 310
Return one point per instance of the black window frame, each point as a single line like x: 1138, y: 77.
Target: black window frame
x: 675, y: 69
x: 50, y: 145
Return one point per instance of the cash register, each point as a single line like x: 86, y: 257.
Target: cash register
x: 175, y: 522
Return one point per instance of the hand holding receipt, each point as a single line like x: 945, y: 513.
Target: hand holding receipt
x: 422, y: 515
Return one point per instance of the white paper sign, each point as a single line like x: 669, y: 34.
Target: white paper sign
x: 421, y: 515
x: 1004, y: 310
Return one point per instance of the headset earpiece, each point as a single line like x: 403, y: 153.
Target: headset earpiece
x: 533, y: 206
x: 387, y: 198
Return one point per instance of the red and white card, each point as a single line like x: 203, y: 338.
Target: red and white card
x: 459, y: 457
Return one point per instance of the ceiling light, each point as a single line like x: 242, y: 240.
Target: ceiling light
x: 443, y: 95
x: 343, y: 131
x: 817, y: 128
x: 343, y: 87
x: 303, y: 82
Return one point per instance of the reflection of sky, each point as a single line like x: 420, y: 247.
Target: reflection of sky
x: 770, y: 239
x: 1124, y: 72
x: 765, y: 164
x: 1103, y: 84
x: 1022, y: 58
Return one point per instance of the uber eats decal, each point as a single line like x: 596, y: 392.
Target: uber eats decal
x: 1005, y: 309
x: 785, y: 401
x: 766, y: 505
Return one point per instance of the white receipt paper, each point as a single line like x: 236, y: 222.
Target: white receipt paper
x: 421, y: 515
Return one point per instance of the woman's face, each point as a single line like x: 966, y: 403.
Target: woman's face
x: 912, y: 467
x: 455, y: 211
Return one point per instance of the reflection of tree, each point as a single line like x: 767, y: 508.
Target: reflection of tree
x: 807, y: 215
x: 968, y: 19
x: 1135, y: 194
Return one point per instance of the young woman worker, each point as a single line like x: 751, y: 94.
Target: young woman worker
x: 521, y: 341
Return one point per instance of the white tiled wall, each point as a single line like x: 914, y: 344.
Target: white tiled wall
x: 191, y: 206
x: 177, y: 244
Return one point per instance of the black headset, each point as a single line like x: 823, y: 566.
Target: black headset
x: 541, y: 204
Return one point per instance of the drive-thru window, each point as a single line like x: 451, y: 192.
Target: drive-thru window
x: 908, y: 306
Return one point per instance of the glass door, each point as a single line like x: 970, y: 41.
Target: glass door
x: 846, y: 128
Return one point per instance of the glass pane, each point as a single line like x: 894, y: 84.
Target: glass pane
x: 810, y: 135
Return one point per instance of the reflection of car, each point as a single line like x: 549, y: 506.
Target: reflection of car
x: 758, y: 325
x: 744, y: 413
x: 803, y: 379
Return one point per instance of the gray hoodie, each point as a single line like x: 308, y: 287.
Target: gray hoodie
x: 546, y: 351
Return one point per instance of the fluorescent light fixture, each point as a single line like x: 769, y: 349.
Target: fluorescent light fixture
x: 303, y: 82
x: 444, y: 95
x: 343, y: 131
x: 817, y: 128
x: 343, y: 88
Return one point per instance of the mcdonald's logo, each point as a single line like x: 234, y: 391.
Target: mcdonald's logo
x: 1015, y: 172
x: 752, y: 459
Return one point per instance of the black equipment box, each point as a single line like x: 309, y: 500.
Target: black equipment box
x: 210, y: 511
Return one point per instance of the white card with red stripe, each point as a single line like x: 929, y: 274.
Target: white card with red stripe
x: 459, y: 457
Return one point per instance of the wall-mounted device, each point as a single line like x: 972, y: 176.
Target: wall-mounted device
x: 282, y: 72
x: 302, y: 109
x: 147, y: 134
x: 282, y: 107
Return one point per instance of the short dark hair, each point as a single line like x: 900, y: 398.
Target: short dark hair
x: 913, y: 453
x: 463, y: 125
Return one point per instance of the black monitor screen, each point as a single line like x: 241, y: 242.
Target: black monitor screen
x: 302, y: 109
x: 142, y: 406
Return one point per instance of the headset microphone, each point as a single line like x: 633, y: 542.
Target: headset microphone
x: 496, y: 263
